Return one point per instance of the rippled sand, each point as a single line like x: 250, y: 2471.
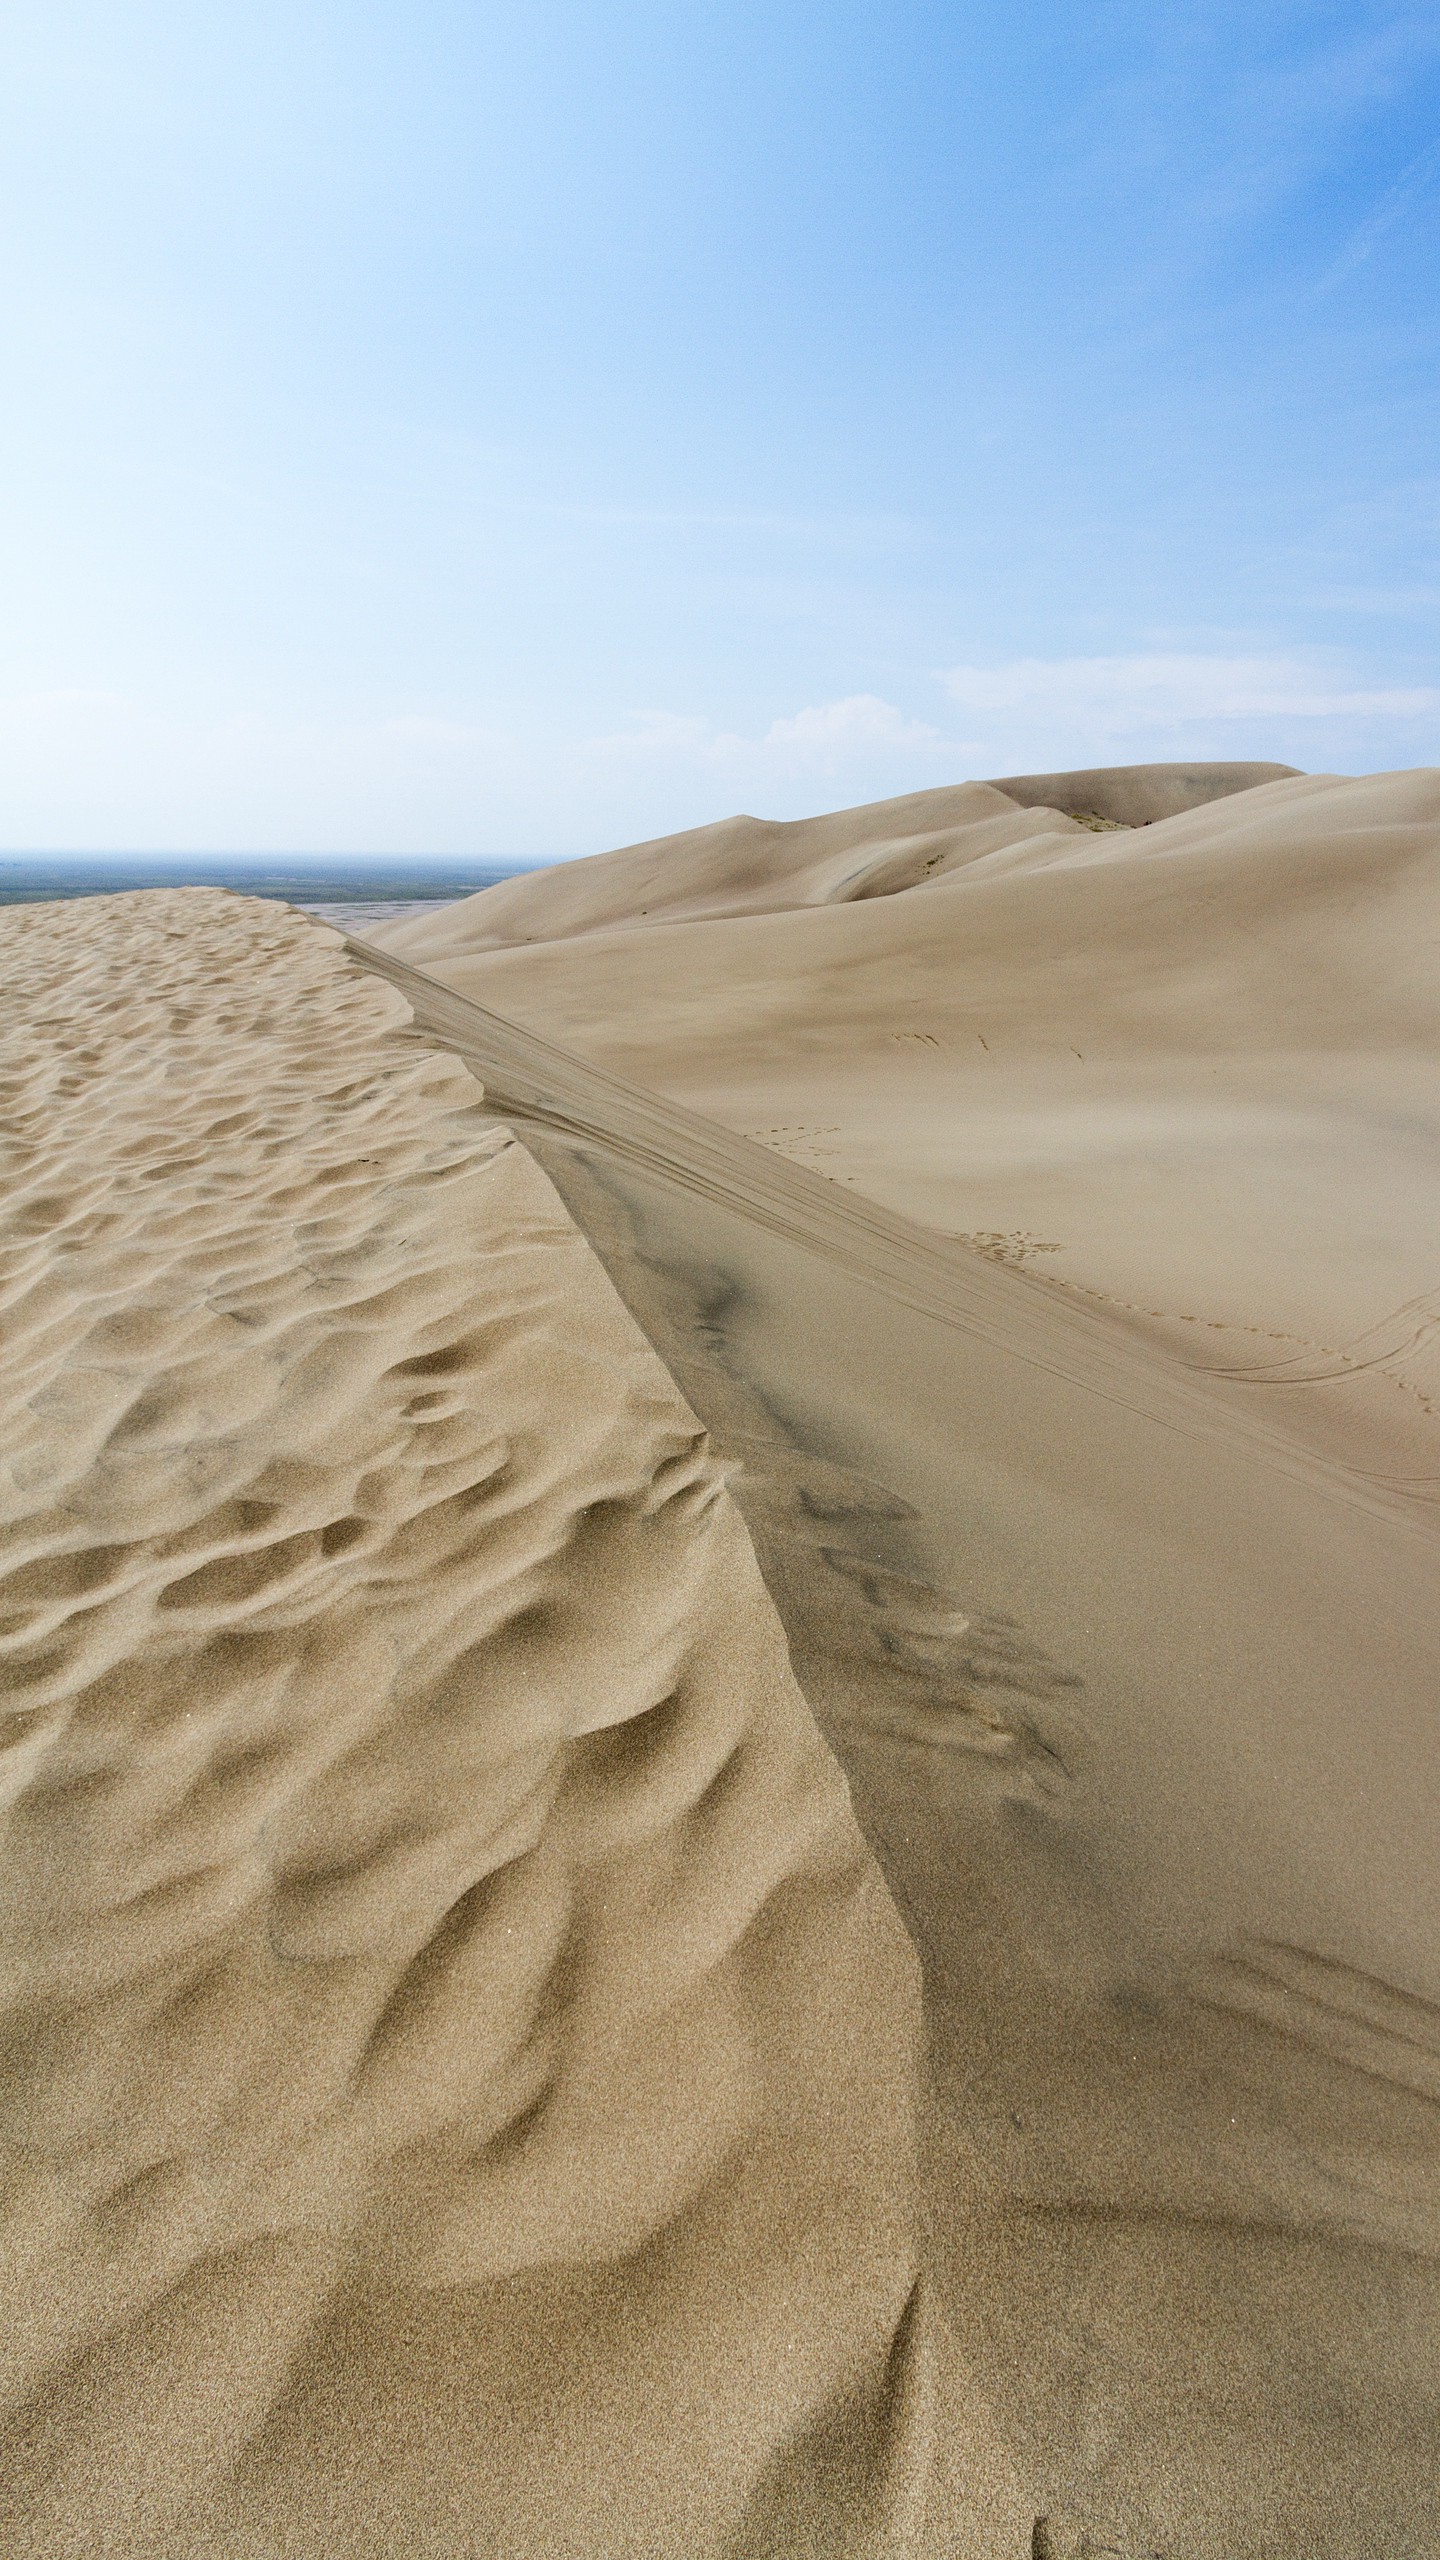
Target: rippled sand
x: 458, y: 2054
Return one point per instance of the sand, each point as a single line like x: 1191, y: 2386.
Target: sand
x: 587, y: 1478
x: 1186, y: 1069
x: 1040, y: 1202
x: 459, y: 2057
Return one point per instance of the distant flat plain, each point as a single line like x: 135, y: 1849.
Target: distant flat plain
x: 345, y: 889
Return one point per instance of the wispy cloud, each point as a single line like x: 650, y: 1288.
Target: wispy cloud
x: 824, y: 737
x: 1412, y: 183
x: 1115, y: 697
x: 861, y: 719
x: 1036, y: 713
x: 1234, y: 116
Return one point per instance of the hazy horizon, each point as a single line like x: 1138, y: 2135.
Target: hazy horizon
x: 398, y: 882
x: 99, y: 854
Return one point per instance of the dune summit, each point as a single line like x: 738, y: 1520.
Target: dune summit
x: 458, y: 2053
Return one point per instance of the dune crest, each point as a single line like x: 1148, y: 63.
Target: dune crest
x: 764, y: 866
x: 458, y: 2053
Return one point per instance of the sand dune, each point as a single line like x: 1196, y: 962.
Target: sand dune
x: 1188, y: 1069
x: 1131, y: 1648
x: 459, y: 2055
x: 954, y: 1278
x: 749, y: 866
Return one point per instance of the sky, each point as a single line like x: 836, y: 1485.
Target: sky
x: 509, y: 428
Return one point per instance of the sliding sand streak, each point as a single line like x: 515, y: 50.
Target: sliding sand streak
x: 457, y: 2051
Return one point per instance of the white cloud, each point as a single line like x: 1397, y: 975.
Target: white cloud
x: 824, y: 735
x: 89, y: 767
x: 1175, y: 693
x: 861, y: 719
x: 1037, y: 715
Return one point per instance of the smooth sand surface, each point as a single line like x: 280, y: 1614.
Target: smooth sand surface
x: 1187, y: 1068
x: 1110, y: 1569
x: 459, y: 2056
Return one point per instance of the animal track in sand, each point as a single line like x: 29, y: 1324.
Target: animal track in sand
x: 1018, y: 1248
x: 799, y: 1141
x: 1055, y: 2538
x: 1346, y: 1362
x: 1015, y: 1249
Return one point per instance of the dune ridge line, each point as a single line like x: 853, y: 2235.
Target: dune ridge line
x: 443, y: 1980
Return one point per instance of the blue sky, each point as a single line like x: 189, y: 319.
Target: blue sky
x: 514, y: 429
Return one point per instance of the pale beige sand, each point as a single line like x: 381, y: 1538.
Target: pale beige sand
x: 458, y: 2054
x: 1132, y: 1650
x: 1190, y: 1069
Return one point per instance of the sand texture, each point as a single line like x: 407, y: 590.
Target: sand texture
x: 457, y: 2054
x: 1040, y: 1203
x: 1186, y: 1068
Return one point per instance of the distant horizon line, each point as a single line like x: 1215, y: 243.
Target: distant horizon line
x: 198, y: 853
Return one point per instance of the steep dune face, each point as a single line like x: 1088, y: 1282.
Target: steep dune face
x: 1191, y: 1069
x: 1111, y: 1569
x: 457, y: 2052
x: 1136, y: 1696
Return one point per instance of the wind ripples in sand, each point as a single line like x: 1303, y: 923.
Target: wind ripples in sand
x: 425, y: 1894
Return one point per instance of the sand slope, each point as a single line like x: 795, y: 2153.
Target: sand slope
x: 1189, y: 1069
x: 457, y: 2051
x: 1133, y: 1662
x: 749, y: 866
